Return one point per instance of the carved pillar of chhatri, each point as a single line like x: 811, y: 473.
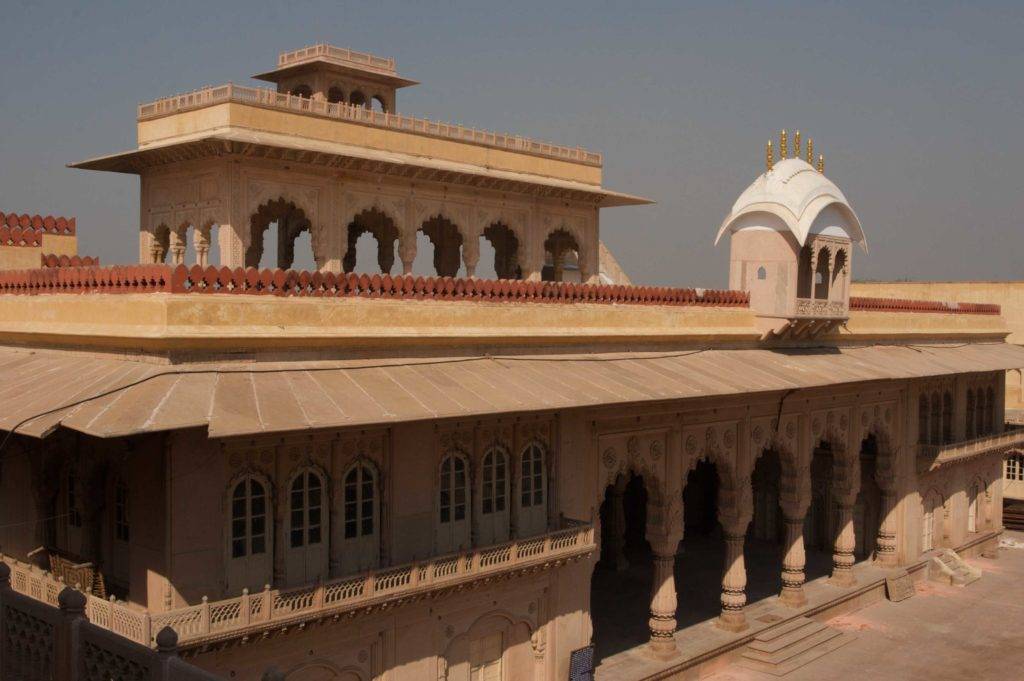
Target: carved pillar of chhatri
x: 795, y: 498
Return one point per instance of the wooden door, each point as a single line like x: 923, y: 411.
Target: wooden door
x: 360, y: 543
x: 493, y: 523
x: 533, y: 486
x: 453, y: 505
x: 250, y: 537
x: 306, y: 552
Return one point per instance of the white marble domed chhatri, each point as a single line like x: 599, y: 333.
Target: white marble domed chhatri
x: 794, y: 196
x: 792, y: 234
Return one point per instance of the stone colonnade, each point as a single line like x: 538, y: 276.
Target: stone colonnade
x: 532, y: 235
x: 664, y: 457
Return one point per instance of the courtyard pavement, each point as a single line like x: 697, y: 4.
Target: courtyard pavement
x: 942, y: 633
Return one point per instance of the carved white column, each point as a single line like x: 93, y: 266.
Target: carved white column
x: 885, y: 551
x: 734, y: 581
x: 663, y: 599
x: 842, y: 557
x: 793, y: 564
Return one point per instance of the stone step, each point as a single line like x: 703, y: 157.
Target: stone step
x: 795, y: 648
x: 794, y: 634
x: 797, y: 661
x: 780, y: 630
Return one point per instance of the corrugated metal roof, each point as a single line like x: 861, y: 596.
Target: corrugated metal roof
x: 117, y: 397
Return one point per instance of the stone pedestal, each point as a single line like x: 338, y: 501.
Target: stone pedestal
x: 793, y: 565
x: 663, y: 603
x: 842, y: 558
x: 734, y: 585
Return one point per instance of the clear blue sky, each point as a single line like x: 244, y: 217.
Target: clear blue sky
x: 918, y: 107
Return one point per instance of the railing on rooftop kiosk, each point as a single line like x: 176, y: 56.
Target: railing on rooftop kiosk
x: 273, y: 99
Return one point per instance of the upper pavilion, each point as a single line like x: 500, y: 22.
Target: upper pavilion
x: 327, y: 153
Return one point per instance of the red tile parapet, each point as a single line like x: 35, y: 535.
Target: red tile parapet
x: 54, y: 260
x: 902, y: 305
x: 28, y: 230
x: 250, y: 281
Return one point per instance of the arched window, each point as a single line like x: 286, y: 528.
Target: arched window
x: 493, y: 525
x: 335, y: 95
x: 307, y: 551
x: 453, y: 504
x: 249, y: 535
x: 1013, y: 468
x: 990, y: 410
x: 122, y: 529
x: 936, y: 419
x: 532, y: 491
x: 980, y: 409
x: 360, y: 514
x: 947, y: 417
x: 922, y: 419
x: 73, y: 498
x: 357, y: 98
x: 377, y: 104
x: 762, y: 273
x: 821, y: 276
x: 969, y: 418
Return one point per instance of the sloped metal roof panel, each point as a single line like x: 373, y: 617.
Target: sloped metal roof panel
x: 109, y: 397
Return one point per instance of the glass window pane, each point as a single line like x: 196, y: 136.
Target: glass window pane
x: 314, y: 497
x: 258, y: 505
x: 460, y: 513
x: 258, y: 524
x: 237, y: 548
x: 367, y: 526
x: 296, y: 538
x: 314, y: 535
x: 350, y: 529
x: 238, y: 528
x: 238, y: 508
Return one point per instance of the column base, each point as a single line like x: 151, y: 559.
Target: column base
x: 732, y: 620
x: 886, y: 560
x: 793, y: 597
x: 663, y: 648
x: 843, y: 578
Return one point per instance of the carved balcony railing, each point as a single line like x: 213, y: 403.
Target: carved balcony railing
x: 814, y: 308
x: 267, y: 98
x: 232, y: 617
x: 343, y: 55
x: 932, y: 457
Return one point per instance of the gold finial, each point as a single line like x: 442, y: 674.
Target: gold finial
x: 768, y: 158
x: 810, y: 151
x: 796, y: 144
x: 783, y: 148
x: 821, y: 164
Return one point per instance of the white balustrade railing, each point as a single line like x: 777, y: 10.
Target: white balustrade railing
x: 282, y: 100
x: 271, y: 605
x: 933, y: 456
x: 339, y: 54
x: 120, y: 618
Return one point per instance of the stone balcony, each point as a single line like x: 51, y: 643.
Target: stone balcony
x: 933, y: 457
x: 209, y: 623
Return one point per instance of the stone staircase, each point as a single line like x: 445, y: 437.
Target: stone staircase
x: 949, y: 568
x: 789, y: 646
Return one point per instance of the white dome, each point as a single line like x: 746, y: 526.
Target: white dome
x: 797, y: 194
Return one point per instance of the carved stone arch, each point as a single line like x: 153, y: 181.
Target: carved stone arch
x: 391, y: 206
x: 510, y: 622
x: 382, y: 220
x: 447, y: 234
x: 321, y: 669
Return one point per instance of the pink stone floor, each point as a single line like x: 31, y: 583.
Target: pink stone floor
x: 943, y: 633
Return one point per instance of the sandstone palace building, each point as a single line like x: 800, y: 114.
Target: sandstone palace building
x: 359, y: 472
